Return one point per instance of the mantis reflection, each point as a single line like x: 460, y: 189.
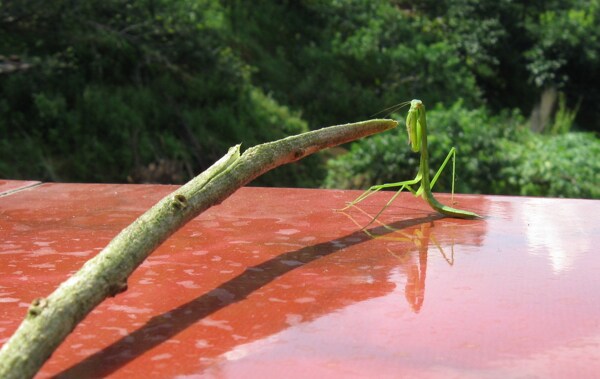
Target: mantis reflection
x: 417, y: 272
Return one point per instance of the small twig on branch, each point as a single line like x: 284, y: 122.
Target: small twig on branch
x: 49, y: 320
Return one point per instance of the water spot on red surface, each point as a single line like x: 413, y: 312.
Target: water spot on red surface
x: 287, y: 232
x: 220, y: 324
x: 202, y: 344
x: 128, y: 309
x: 161, y: 357
x: 238, y: 242
x: 49, y: 266
x: 303, y: 300
x: 188, y: 284
x: 120, y: 331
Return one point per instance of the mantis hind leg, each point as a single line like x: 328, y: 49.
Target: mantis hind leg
x: 446, y: 210
x: 451, y: 153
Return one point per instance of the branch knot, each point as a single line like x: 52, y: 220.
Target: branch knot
x: 37, y: 306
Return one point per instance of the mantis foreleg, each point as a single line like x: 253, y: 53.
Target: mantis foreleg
x: 405, y: 184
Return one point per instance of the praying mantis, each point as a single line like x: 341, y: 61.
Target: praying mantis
x: 416, y: 127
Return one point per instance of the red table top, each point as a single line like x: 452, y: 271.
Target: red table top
x: 275, y: 283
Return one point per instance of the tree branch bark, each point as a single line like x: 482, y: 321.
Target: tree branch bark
x: 50, y: 320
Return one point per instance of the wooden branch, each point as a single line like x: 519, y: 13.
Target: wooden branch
x: 49, y: 320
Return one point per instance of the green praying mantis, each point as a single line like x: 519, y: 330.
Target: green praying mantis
x: 416, y: 127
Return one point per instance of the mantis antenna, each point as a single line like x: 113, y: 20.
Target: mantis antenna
x: 416, y: 128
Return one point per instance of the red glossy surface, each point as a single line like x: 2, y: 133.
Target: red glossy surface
x: 274, y: 283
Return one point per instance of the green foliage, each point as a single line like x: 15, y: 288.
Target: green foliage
x: 565, y: 53
x: 120, y: 88
x: 559, y: 35
x: 564, y: 117
x: 563, y: 165
x: 340, y: 61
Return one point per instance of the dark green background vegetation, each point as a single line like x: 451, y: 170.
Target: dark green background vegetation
x: 156, y: 90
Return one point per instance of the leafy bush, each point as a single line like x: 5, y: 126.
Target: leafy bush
x: 563, y: 165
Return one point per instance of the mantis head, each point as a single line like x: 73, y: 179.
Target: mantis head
x: 414, y: 124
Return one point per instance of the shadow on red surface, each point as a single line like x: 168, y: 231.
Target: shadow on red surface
x: 165, y: 326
